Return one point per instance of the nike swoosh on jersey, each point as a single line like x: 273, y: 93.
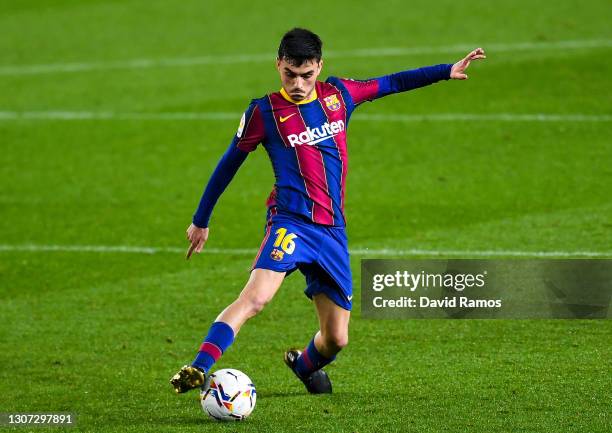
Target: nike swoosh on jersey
x: 284, y: 119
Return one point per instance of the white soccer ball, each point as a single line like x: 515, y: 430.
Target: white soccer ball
x: 228, y: 395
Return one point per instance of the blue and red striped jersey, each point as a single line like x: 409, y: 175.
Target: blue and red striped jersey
x: 307, y: 144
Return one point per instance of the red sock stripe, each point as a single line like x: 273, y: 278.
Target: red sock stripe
x: 307, y: 359
x: 212, y: 349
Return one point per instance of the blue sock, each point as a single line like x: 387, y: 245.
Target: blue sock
x: 311, y: 360
x: 220, y: 336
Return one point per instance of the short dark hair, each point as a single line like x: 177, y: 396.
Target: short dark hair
x: 300, y: 45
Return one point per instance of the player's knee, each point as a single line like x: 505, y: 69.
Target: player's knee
x: 337, y: 340
x: 255, y: 303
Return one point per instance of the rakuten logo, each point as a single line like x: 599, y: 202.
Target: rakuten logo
x: 314, y: 135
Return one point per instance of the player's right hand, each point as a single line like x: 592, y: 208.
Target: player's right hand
x: 197, y: 237
x: 458, y: 69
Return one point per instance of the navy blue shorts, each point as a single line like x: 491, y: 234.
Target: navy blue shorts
x: 319, y: 252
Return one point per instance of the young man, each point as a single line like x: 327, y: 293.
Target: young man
x: 303, y: 129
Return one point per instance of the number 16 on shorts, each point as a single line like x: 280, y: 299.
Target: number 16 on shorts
x: 284, y: 243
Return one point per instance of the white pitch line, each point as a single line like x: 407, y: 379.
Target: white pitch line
x: 17, y: 70
x: 110, y: 115
x: 246, y: 251
x: 220, y: 116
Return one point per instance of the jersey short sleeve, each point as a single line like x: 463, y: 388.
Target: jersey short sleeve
x: 251, y: 129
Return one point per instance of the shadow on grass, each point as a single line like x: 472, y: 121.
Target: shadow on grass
x: 202, y: 421
x: 281, y: 394
x: 300, y: 393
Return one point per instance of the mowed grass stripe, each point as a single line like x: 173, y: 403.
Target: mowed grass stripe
x: 219, y: 116
x: 231, y: 59
x: 247, y: 251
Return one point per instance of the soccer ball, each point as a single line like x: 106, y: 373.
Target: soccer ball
x: 228, y: 395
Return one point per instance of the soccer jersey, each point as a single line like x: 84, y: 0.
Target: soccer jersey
x: 307, y: 144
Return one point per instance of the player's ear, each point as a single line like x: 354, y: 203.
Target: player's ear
x: 319, y: 66
x: 278, y: 62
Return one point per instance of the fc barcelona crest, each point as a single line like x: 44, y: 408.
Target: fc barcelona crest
x: 332, y: 102
x: 277, y: 255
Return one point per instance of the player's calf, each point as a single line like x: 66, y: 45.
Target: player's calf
x: 332, y: 343
x: 259, y: 290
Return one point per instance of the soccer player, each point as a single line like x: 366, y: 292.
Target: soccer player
x: 302, y: 127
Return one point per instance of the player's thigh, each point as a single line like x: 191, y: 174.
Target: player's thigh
x: 288, y: 242
x: 261, y: 286
x: 333, y: 319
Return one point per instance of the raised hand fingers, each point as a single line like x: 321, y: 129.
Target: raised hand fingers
x: 458, y: 69
x: 197, y: 244
x: 478, y: 53
x: 190, y: 251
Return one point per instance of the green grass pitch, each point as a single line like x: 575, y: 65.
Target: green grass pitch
x: 100, y: 333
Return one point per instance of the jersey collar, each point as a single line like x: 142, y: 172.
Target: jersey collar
x: 305, y: 101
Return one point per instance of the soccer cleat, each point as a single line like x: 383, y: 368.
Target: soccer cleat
x: 188, y: 378
x: 317, y: 383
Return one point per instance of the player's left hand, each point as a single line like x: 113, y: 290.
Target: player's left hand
x: 458, y: 69
x: 197, y: 237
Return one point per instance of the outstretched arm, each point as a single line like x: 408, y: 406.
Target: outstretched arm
x: 367, y: 90
x: 197, y: 233
x: 250, y: 134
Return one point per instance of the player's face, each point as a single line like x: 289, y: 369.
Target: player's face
x: 299, y: 81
